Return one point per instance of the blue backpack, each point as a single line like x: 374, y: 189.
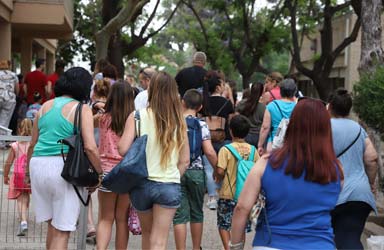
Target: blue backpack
x: 243, y: 168
x: 194, y: 137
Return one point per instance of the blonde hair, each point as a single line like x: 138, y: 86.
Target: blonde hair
x: 25, y: 127
x: 164, y: 100
x: 102, y: 87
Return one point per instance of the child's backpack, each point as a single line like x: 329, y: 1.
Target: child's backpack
x: 243, y: 168
x: 19, y: 171
x: 278, y: 139
x: 194, y: 137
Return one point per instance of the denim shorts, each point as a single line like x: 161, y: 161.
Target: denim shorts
x: 225, y: 210
x: 167, y: 195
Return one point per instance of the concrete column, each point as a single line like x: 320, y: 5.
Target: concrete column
x: 50, y: 63
x: 42, y: 53
x: 26, y: 55
x: 6, y: 40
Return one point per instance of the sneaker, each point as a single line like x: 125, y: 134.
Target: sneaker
x: 23, y: 229
x: 212, y: 203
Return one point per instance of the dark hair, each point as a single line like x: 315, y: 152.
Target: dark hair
x: 119, y: 105
x: 39, y: 62
x: 36, y: 96
x: 340, y: 102
x: 252, y: 101
x: 211, y: 81
x: 288, y: 88
x: 110, y: 71
x: 75, y: 82
x: 100, y: 65
x: 239, y: 126
x: 308, y: 146
x: 60, y: 64
x: 193, y: 99
x: 20, y: 77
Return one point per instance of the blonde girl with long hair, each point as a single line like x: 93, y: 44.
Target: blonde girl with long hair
x: 21, y: 195
x: 167, y: 149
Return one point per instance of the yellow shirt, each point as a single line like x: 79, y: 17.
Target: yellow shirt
x: 170, y: 172
x: 228, y: 163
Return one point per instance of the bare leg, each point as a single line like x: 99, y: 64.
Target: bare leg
x: 90, y: 223
x: 197, y: 233
x: 180, y: 231
x: 146, y: 220
x: 225, y: 236
x: 59, y: 239
x: 24, y: 206
x: 121, y: 218
x: 162, y: 219
x: 107, y: 205
x: 49, y: 235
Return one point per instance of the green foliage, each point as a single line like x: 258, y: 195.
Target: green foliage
x: 368, y: 99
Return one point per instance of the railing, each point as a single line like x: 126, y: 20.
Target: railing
x: 35, y: 238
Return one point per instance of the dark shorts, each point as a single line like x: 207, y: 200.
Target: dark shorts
x: 225, y: 210
x: 167, y: 195
x: 192, y: 198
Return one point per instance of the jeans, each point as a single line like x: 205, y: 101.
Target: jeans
x: 348, y: 220
x: 212, y: 186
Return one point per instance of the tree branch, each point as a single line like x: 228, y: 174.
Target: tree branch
x: 149, y: 20
x: 203, y: 29
x: 340, y: 7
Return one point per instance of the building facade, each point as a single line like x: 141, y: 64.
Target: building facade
x: 30, y: 28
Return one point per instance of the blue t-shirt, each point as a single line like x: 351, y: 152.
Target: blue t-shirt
x: 277, y: 116
x: 33, y: 109
x: 356, y: 184
x: 298, y: 212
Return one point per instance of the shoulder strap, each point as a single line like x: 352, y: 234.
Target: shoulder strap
x: 273, y: 96
x: 234, y: 152
x: 350, y: 145
x: 281, y: 112
x: 137, y: 123
x: 222, y: 107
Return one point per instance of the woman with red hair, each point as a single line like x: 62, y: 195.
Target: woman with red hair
x: 301, y: 182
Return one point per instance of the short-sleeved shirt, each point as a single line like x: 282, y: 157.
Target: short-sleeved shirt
x: 277, y: 116
x: 356, y: 184
x: 190, y: 78
x: 197, y: 164
x: 33, y: 109
x: 256, y: 118
x: 52, y: 78
x: 36, y: 82
x: 228, y: 163
x: 8, y: 81
x: 141, y: 100
x: 275, y: 94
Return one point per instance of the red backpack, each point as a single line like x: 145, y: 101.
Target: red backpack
x: 19, y: 171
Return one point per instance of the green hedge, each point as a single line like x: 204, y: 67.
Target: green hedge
x: 369, y: 99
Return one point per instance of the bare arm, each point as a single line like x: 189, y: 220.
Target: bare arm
x: 370, y: 162
x: 264, y: 131
x: 246, y: 200
x: 88, y: 136
x: 7, y: 165
x: 209, y: 152
x: 128, y: 135
x: 48, y: 89
x: 17, y: 90
x: 265, y: 98
x: 183, y: 162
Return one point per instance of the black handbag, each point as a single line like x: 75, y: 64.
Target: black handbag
x: 77, y: 169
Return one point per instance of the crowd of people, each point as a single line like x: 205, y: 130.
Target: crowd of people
x: 319, y: 184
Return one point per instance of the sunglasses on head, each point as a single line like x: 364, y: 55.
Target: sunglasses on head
x: 310, y: 98
x: 142, y: 71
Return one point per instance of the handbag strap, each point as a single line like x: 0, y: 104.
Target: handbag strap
x: 137, y: 123
x: 350, y: 145
x: 85, y: 203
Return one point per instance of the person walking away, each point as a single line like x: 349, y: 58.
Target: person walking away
x: 51, y: 79
x: 167, y: 155
x: 145, y: 75
x: 113, y: 207
x: 9, y: 88
x: 274, y: 113
x: 253, y: 109
x: 192, y: 77
x: 34, y: 108
x: 17, y: 156
x: 359, y: 159
x: 300, y: 190
x: 193, y: 181
x: 226, y: 171
x: 55, y: 200
x: 36, y: 81
x: 272, y: 88
x: 216, y: 112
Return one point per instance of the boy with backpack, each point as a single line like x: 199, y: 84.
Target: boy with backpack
x: 193, y: 181
x: 235, y: 160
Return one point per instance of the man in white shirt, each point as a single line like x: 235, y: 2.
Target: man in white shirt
x: 145, y: 75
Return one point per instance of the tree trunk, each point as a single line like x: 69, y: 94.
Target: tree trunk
x: 371, y: 50
x: 246, y: 80
x: 323, y: 87
x: 115, y: 54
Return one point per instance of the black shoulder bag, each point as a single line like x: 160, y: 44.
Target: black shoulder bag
x: 77, y: 169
